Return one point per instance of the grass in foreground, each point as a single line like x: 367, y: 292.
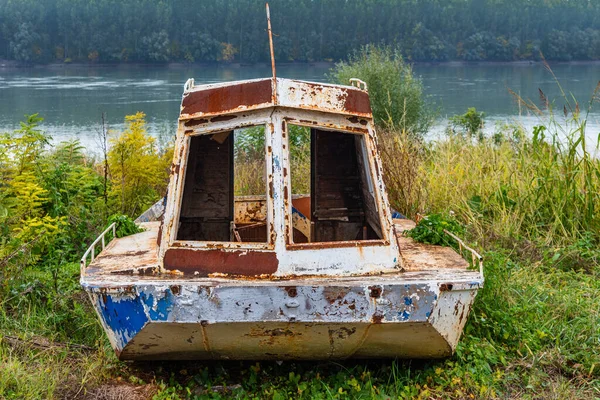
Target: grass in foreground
x: 533, y: 333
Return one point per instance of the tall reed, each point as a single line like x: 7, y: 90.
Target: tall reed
x: 542, y: 185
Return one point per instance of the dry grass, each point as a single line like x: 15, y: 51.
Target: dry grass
x: 250, y: 173
x: 403, y: 159
x: 121, y: 391
x: 545, y: 188
x: 249, y: 178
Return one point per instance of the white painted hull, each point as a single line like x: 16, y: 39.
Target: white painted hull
x: 369, y: 317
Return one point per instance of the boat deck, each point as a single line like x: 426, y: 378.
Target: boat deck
x: 134, y: 259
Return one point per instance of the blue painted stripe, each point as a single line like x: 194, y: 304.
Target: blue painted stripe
x: 125, y: 316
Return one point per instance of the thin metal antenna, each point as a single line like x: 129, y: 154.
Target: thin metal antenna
x: 272, y: 54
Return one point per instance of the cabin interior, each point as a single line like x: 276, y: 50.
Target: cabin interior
x: 340, y: 204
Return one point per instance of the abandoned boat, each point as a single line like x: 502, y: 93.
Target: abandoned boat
x: 281, y: 274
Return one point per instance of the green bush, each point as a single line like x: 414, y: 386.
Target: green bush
x: 125, y: 226
x: 431, y: 229
x: 397, y: 97
x: 469, y: 124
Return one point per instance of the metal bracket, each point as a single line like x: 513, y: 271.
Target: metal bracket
x: 357, y: 83
x: 189, y: 84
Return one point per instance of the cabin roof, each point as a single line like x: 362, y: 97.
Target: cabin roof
x: 239, y: 96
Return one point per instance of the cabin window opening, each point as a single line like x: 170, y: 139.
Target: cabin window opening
x: 333, y: 195
x: 225, y: 193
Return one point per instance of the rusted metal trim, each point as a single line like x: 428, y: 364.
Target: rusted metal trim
x: 385, y: 215
x: 374, y: 170
x: 192, y: 244
x: 205, y: 262
x: 239, y: 120
x: 461, y: 280
x: 333, y: 127
x: 172, y: 223
x: 339, y: 99
x: 230, y: 98
x: 332, y: 245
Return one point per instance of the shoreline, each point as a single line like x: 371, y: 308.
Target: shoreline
x: 9, y: 64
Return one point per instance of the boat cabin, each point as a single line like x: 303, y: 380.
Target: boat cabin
x: 337, y: 222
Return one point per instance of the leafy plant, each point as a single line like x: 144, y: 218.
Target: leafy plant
x: 469, y: 124
x: 138, y: 171
x: 430, y: 229
x: 125, y: 226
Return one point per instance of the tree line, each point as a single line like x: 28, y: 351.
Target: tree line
x: 33, y: 31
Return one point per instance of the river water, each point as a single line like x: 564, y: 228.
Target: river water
x: 71, y: 99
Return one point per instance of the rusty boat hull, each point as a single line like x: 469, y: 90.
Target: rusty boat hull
x: 417, y: 313
x: 392, y: 317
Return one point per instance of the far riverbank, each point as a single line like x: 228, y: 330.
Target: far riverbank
x: 11, y: 64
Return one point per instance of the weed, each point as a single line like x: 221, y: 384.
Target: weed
x: 432, y: 229
x: 124, y: 225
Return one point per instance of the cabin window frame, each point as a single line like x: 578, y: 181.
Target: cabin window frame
x: 211, y: 129
x: 367, y: 148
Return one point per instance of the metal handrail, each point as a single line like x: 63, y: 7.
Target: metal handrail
x: 92, y: 249
x: 476, y: 258
x: 357, y: 83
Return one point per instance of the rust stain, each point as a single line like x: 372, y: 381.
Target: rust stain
x: 195, y: 122
x: 343, y: 332
x: 357, y: 102
x: 159, y: 236
x: 206, y: 262
x: 445, y: 287
x: 333, y: 294
x: 227, y: 98
x: 353, y: 129
x: 377, y: 318
x: 223, y: 118
x: 273, y: 234
x: 375, y: 291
